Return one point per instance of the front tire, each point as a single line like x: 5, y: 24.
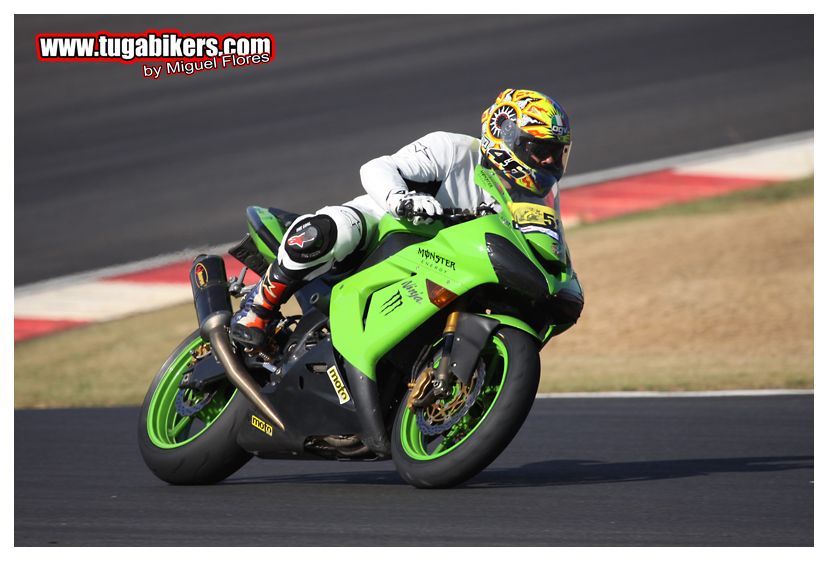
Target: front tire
x: 190, y: 450
x: 511, y: 366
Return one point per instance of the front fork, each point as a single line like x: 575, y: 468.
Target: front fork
x: 441, y: 384
x: 465, y: 336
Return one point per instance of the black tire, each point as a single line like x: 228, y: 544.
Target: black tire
x: 491, y: 436
x: 211, y: 456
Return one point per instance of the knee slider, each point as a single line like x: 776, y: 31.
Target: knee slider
x: 310, y: 238
x: 315, y: 242
x: 350, y: 229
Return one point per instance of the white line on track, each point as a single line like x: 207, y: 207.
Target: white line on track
x: 123, y: 269
x: 712, y: 393
x: 683, y: 160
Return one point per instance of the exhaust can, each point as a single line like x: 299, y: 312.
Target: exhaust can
x: 208, y: 278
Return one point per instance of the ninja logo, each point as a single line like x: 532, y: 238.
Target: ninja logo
x: 412, y: 291
x: 391, y: 304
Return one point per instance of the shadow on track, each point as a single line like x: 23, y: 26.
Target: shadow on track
x: 580, y: 472
x: 561, y: 472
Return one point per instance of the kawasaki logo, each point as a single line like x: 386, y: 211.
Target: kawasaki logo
x: 438, y: 259
x: 261, y: 425
x: 339, y: 385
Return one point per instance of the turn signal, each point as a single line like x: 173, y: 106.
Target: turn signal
x: 439, y: 295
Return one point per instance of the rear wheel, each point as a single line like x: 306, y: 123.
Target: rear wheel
x: 454, y: 439
x: 188, y: 437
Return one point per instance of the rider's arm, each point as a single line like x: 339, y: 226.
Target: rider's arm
x: 423, y: 161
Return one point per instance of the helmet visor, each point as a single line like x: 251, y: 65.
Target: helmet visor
x: 542, y: 154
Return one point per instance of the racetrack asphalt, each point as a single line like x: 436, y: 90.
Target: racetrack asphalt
x: 720, y: 471
x: 111, y: 167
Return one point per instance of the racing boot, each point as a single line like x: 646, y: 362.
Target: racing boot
x: 259, y: 308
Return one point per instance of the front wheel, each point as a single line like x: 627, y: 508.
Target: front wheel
x: 188, y: 437
x: 501, y: 393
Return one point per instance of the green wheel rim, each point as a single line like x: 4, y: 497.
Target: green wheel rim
x: 420, y: 447
x: 165, y: 427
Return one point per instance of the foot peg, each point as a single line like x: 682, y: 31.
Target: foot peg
x: 250, y: 337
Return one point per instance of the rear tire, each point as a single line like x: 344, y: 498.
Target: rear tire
x: 203, y: 455
x: 507, y: 396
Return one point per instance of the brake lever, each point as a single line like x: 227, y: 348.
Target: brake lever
x: 457, y: 215
x: 449, y: 216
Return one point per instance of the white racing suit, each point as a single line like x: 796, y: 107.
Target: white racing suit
x: 440, y: 164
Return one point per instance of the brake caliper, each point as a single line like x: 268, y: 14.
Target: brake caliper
x: 422, y: 393
x: 189, y: 401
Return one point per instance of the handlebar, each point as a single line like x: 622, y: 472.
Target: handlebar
x: 450, y: 215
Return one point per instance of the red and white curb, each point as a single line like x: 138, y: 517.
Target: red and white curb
x: 651, y: 185
x: 60, y: 304
x: 117, y: 292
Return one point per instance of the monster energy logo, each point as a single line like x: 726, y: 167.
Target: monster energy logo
x: 391, y: 304
x: 439, y: 259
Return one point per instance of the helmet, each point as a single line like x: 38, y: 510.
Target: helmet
x: 526, y: 137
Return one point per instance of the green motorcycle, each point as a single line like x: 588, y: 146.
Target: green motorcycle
x: 425, y: 353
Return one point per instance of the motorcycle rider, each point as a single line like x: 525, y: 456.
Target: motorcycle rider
x: 525, y: 138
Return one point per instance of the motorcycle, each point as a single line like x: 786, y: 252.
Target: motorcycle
x: 426, y: 352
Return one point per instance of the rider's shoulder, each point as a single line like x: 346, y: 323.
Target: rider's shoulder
x: 449, y: 142
x: 450, y: 138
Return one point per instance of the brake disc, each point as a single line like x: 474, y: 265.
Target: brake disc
x: 188, y: 405
x: 440, y: 416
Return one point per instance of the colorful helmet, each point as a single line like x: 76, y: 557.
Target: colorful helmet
x: 526, y: 137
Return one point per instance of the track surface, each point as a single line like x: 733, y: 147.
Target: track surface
x: 111, y: 167
x: 666, y: 471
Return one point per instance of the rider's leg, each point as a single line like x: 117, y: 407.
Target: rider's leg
x: 260, y: 306
x: 311, y: 246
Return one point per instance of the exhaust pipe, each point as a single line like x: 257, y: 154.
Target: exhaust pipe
x: 208, y: 279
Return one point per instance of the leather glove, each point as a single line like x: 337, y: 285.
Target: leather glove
x: 419, y: 208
